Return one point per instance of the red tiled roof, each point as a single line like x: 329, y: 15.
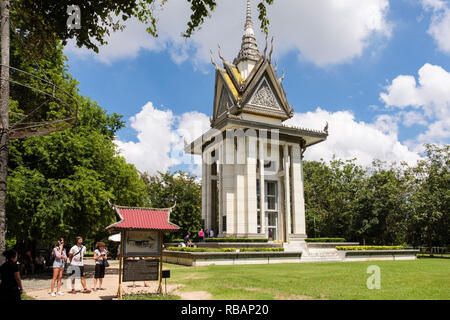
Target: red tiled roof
x: 143, y: 219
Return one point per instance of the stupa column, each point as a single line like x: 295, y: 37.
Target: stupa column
x: 261, y: 185
x: 208, y: 190
x: 228, y: 201
x: 252, y: 218
x: 220, y: 188
x: 204, y: 191
x: 240, y: 174
x: 298, y: 199
x: 287, y: 196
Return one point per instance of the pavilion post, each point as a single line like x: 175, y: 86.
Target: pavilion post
x: 160, y: 262
x: 119, y: 293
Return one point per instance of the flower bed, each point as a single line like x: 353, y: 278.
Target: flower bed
x: 325, y: 240
x: 189, y: 249
x: 234, y: 240
x: 359, y: 248
x: 261, y: 250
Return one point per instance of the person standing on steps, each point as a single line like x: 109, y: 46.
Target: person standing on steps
x: 76, y: 255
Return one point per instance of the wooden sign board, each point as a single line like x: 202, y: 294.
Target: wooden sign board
x: 140, y: 270
x: 142, y: 244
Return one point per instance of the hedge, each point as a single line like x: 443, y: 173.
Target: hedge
x: 325, y: 240
x: 261, y: 250
x: 189, y: 249
x: 235, y: 240
x: 353, y: 248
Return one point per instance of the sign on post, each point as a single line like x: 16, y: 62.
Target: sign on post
x: 140, y: 270
x: 142, y: 244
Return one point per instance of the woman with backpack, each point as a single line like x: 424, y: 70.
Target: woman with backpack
x: 59, y: 255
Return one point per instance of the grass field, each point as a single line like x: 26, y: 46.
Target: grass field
x: 420, y: 279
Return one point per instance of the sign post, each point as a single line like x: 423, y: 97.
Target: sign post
x: 141, y: 236
x: 119, y: 294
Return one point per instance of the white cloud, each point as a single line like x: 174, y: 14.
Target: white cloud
x: 440, y: 23
x: 350, y: 139
x: 430, y: 96
x: 322, y: 31
x: 155, y: 140
x: 160, y: 139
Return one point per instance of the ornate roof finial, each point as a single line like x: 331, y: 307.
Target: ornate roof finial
x: 248, y: 20
x: 212, y: 60
x: 249, y: 47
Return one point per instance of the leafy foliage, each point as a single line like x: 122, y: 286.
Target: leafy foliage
x: 41, y: 23
x: 395, y: 204
x: 190, y: 249
x: 362, y: 248
x: 325, y: 240
x: 164, y: 190
x: 237, y: 240
x: 60, y: 184
x: 261, y: 250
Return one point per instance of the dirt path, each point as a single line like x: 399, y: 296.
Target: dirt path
x: 110, y: 283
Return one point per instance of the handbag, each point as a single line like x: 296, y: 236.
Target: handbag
x: 106, y: 263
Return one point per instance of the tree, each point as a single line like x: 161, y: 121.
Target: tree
x: 331, y: 196
x: 382, y: 207
x: 40, y: 24
x: 60, y: 184
x: 167, y: 189
x: 429, y: 220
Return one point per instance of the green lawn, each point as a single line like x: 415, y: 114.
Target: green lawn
x: 420, y: 279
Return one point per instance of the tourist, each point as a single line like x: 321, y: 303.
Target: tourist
x: 11, y: 286
x: 186, y: 240
x: 201, y: 235
x: 206, y: 233
x: 59, y: 253
x: 211, y: 233
x: 100, y: 256
x: 39, y: 263
x: 76, y: 254
x: 27, y: 263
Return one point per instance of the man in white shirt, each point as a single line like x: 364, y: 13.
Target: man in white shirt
x: 76, y: 255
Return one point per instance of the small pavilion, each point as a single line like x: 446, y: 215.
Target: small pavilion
x: 141, y: 235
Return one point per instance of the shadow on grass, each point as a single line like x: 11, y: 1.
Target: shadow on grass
x: 150, y: 296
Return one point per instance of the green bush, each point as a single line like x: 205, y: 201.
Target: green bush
x: 89, y: 253
x: 325, y: 240
x: 261, y: 250
x: 189, y: 249
x: 353, y: 248
x: 235, y: 240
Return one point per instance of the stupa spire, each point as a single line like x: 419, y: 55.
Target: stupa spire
x: 248, y: 21
x: 249, y: 46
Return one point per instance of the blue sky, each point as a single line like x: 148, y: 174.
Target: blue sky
x: 378, y: 71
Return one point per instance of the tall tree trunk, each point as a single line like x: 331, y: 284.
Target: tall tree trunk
x: 4, y: 120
